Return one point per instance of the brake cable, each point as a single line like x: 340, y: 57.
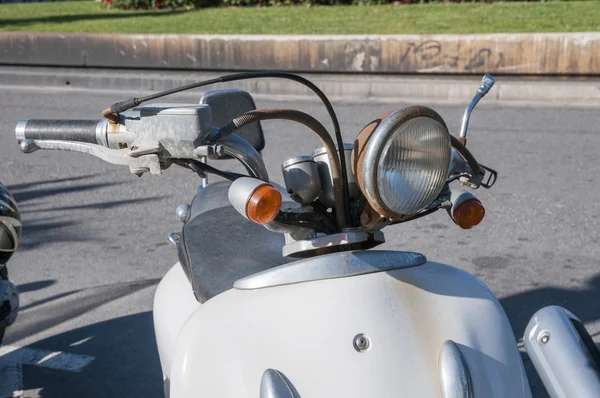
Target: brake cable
x: 314, y: 125
x: 113, y: 111
x: 200, y: 168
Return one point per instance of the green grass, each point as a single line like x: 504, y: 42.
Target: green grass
x: 428, y: 18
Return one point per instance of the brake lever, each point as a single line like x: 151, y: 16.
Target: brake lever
x: 137, y: 165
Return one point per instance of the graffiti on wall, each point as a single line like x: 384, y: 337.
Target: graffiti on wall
x: 423, y: 56
x: 431, y: 54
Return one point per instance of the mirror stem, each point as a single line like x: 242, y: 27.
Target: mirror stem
x: 462, y: 137
x: 486, y: 84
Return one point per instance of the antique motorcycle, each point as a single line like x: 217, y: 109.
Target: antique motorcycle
x: 277, y: 294
x: 10, y: 231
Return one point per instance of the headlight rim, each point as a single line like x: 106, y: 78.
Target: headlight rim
x: 386, y: 126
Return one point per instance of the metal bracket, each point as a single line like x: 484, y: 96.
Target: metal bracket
x: 480, y: 180
x: 491, y: 179
x: 333, y: 243
x: 472, y: 181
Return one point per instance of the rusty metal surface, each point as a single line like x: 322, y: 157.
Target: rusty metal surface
x: 545, y: 54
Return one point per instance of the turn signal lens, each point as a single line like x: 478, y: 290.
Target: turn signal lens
x: 468, y: 214
x: 263, y: 205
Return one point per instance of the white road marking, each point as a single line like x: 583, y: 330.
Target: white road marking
x: 33, y: 393
x: 12, y: 359
x: 81, y: 341
x: 48, y: 359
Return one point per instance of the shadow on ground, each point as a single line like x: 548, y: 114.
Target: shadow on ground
x: 125, y: 364
x: 125, y: 361
x: 40, y: 207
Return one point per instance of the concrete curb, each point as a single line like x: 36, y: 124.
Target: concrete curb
x: 372, y: 88
x: 512, y: 54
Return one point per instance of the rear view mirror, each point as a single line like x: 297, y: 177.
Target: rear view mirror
x: 226, y: 105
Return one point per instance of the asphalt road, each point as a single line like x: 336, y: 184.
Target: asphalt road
x: 95, y: 245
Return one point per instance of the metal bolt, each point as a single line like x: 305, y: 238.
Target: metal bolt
x: 545, y: 338
x: 182, y: 212
x: 361, y: 343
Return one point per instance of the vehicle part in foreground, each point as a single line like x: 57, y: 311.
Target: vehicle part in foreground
x: 10, y: 232
x: 563, y: 353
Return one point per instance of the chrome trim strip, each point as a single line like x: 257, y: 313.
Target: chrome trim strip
x: 558, y: 350
x: 274, y: 384
x: 20, y: 130
x: 331, y: 266
x: 455, y: 378
x: 101, y: 133
x: 371, y: 158
x: 322, y: 150
x: 296, y: 160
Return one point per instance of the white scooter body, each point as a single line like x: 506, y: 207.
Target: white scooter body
x: 306, y: 331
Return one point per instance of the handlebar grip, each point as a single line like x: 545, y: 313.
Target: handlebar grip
x: 89, y: 131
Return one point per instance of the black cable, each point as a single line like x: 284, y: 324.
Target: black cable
x: 321, y: 222
x: 197, y: 167
x: 122, y: 106
x: 416, y: 216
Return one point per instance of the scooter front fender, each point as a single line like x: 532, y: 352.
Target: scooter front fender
x: 174, y: 302
x: 310, y: 333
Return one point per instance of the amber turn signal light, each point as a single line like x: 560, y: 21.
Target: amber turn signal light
x: 263, y: 205
x: 468, y: 214
x: 255, y: 199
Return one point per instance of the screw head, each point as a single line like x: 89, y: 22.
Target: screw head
x: 361, y: 342
x: 545, y: 338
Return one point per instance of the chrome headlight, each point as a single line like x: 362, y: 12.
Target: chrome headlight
x: 401, y: 160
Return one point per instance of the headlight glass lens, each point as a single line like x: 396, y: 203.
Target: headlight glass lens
x: 413, y: 166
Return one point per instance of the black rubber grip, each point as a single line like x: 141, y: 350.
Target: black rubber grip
x: 62, y: 130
